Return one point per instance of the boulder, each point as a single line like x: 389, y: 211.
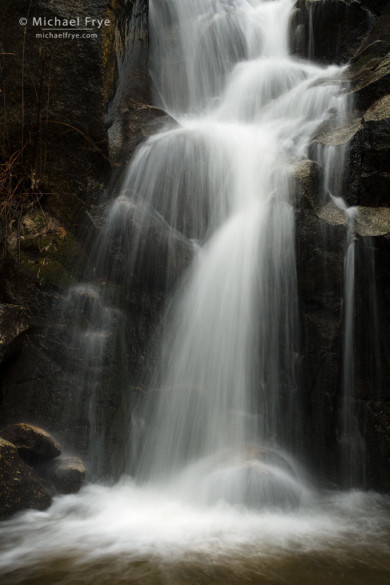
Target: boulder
x: 159, y: 254
x: 20, y: 489
x: 33, y: 444
x: 264, y: 480
x: 135, y: 122
x: 65, y: 475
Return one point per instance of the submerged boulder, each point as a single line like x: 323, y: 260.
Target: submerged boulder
x: 264, y: 480
x: 65, y: 475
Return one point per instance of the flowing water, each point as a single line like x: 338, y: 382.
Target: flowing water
x: 218, y: 494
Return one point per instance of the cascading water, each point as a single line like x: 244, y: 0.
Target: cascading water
x: 226, y: 377
x: 217, y: 492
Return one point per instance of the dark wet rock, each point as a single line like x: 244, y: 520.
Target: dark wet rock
x: 320, y: 269
x: 65, y: 94
x: 159, y: 255
x: 64, y: 475
x: 368, y: 175
x: 20, y: 489
x: 137, y: 121
x: 369, y: 77
x: 367, y: 181
x: 34, y: 444
x: 329, y: 31
x: 14, y: 323
x: 375, y: 421
x: 366, y: 135
x: 130, y: 112
x: 377, y: 7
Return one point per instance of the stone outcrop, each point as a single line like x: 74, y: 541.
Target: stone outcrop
x: 32, y: 471
x: 33, y: 443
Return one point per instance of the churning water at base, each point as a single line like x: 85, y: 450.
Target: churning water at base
x: 218, y: 496
x: 126, y: 535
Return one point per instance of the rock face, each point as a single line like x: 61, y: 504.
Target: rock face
x: 55, y: 100
x: 322, y: 245
x: 69, y: 100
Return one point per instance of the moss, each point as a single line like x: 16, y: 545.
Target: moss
x: 68, y: 252
x: 48, y: 272
x: 45, y: 239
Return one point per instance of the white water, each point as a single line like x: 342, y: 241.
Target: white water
x: 220, y: 484
x: 126, y: 534
x: 246, y: 111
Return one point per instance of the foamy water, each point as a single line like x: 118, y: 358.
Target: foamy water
x: 119, y: 526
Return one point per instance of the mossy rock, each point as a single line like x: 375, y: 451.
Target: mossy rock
x: 49, y: 272
x: 47, y: 251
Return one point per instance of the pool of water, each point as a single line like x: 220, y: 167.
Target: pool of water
x: 130, y: 535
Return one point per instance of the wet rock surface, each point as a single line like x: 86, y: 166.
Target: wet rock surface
x: 33, y: 443
x: 329, y: 31
x: 32, y: 470
x: 162, y: 253
x: 64, y: 475
x: 20, y: 489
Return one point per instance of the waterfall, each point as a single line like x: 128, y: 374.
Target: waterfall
x: 224, y: 387
x: 214, y: 488
x: 352, y: 443
x: 207, y: 207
